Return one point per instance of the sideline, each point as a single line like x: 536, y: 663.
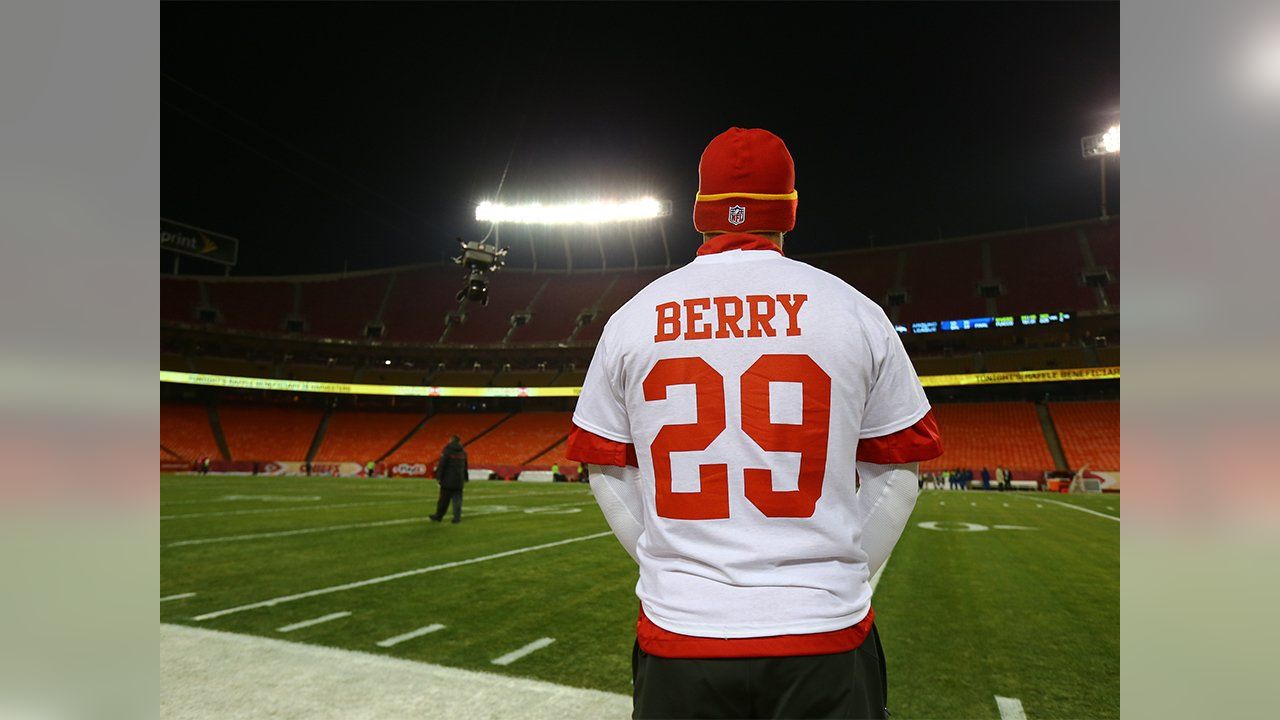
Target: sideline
x: 1073, y: 507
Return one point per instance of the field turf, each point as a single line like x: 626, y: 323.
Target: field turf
x: 965, y: 613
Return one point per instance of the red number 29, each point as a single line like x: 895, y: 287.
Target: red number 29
x: 809, y: 438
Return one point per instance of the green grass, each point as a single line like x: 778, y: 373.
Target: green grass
x: 964, y: 616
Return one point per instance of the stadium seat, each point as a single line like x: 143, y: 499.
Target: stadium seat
x: 251, y: 305
x: 269, y: 433
x: 977, y: 435
x: 361, y: 436
x: 1089, y: 433
x: 1040, y: 272
x: 520, y: 439
x: 185, y: 430
x: 941, y: 280
x: 426, y: 444
x: 509, y: 293
x: 179, y: 298
x: 419, y: 302
x: 342, y: 308
x: 555, y: 315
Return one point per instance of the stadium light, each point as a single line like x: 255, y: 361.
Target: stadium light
x: 1101, y: 146
x: 1105, y: 143
x: 583, y: 213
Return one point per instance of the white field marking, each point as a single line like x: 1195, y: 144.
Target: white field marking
x: 1111, y: 507
x: 1006, y: 504
x: 973, y: 504
x: 1083, y: 510
x: 410, y: 635
x: 944, y: 502
x: 313, y: 621
x: 256, y: 511
x: 286, y: 533
x: 515, y: 655
x: 211, y: 675
x: 1039, y: 505
x: 183, y: 596
x: 274, y: 498
x: 473, y: 511
x: 1010, y: 708
x: 395, y: 576
x: 1013, y: 527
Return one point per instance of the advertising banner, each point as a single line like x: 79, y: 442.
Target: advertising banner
x: 188, y: 240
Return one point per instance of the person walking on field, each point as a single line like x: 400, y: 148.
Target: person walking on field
x: 451, y: 473
x: 754, y: 589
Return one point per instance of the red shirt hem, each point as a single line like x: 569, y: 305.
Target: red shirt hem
x: 664, y: 643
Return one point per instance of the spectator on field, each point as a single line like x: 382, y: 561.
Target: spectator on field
x: 204, y: 465
x: 555, y: 474
x: 986, y: 479
x: 582, y: 472
x: 451, y: 473
x: 370, y: 469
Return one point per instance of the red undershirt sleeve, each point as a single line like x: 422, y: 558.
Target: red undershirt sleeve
x: 917, y: 443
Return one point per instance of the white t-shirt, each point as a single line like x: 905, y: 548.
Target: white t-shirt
x: 741, y: 364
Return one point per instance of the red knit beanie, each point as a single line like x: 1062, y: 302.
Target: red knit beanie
x: 746, y: 183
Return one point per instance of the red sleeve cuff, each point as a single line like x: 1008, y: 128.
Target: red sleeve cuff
x: 585, y: 446
x: 914, y: 444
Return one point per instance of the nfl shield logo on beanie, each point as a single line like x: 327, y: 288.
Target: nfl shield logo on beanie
x: 745, y: 170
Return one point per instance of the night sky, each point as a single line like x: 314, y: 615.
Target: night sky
x: 363, y: 135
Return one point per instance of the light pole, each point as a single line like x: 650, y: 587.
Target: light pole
x: 1100, y: 146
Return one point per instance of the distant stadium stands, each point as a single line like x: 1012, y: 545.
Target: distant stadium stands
x: 975, y: 435
x: 360, y: 436
x: 426, y: 444
x: 978, y: 435
x: 185, y: 430
x: 268, y: 433
x: 520, y: 439
x: 1072, y: 267
x: 1090, y: 433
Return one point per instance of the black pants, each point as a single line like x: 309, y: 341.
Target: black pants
x: 843, y: 685
x: 448, y: 495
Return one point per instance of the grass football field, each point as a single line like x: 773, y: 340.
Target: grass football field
x: 988, y: 594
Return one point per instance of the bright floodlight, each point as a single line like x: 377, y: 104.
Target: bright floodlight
x: 1107, y: 143
x: 587, y: 213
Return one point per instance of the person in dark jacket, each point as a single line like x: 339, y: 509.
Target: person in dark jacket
x: 451, y: 473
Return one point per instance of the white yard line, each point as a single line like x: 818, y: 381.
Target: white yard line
x: 515, y: 655
x: 389, y: 642
x: 419, y: 499
x: 286, y: 533
x: 313, y: 621
x: 478, y: 510
x: 211, y: 675
x: 177, y: 597
x: 1010, y: 708
x: 396, y: 576
x: 259, y: 511
x: 1081, y: 509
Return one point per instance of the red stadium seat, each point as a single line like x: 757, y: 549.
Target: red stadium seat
x: 185, y: 430
x: 520, y: 439
x: 978, y: 435
x: 426, y: 444
x: 1089, y: 432
x: 269, y: 433
x: 360, y: 436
